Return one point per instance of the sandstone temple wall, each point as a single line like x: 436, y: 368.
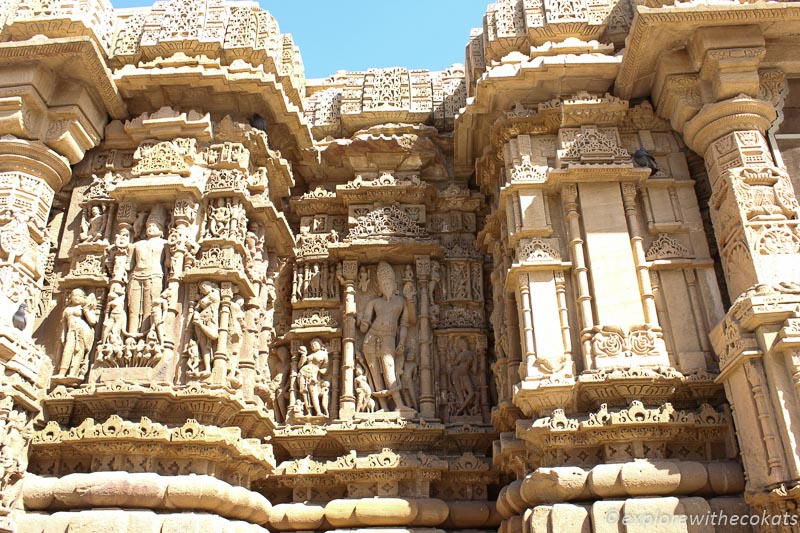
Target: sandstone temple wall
x: 555, y: 288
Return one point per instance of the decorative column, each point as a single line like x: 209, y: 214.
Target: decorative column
x: 30, y: 174
x: 642, y: 270
x: 569, y: 197
x: 427, y: 402
x: 757, y: 227
x: 219, y: 373
x: 347, y: 403
x: 335, y: 350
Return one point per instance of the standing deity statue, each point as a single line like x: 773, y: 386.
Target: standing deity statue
x: 463, y: 366
x: 77, y: 337
x: 385, y: 324
x: 147, y: 272
x: 311, y: 381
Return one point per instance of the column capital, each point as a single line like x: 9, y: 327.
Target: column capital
x: 716, y: 120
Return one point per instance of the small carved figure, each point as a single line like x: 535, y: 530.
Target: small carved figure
x: 116, y: 318
x: 364, y: 401
x: 279, y: 363
x: 119, y: 254
x: 332, y: 285
x: 462, y: 367
x: 313, y: 366
x: 93, y: 225
x: 436, y: 278
x: 363, y: 279
x: 206, y: 323
x: 315, y: 283
x: 78, y: 322
x: 192, y: 355
x: 159, y: 314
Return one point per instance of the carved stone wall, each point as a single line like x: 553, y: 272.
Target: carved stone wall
x: 477, y: 299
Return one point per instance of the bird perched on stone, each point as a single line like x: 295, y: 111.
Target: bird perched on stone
x: 20, y: 320
x: 258, y: 122
x: 642, y: 158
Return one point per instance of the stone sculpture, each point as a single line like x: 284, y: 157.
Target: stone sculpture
x: 146, y: 278
x: 385, y: 324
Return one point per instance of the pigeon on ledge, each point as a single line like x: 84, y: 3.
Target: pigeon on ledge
x: 258, y: 122
x: 642, y: 158
x: 20, y: 320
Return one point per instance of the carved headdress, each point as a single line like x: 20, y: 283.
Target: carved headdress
x: 158, y: 215
x: 385, y: 273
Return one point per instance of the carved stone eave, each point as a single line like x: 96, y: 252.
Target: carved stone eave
x: 542, y: 396
x: 537, y: 80
x: 512, y: 279
x: 577, y: 173
x: 226, y: 451
x: 661, y: 423
x: 657, y: 29
x: 167, y: 405
x: 76, y: 58
x: 205, y: 85
x: 279, y: 233
x: 399, y: 249
x: 158, y: 188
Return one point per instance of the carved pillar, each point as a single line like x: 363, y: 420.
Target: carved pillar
x: 347, y: 403
x: 30, y: 175
x: 335, y: 351
x: 219, y: 372
x: 756, y: 222
x: 569, y: 197
x: 483, y: 370
x: 648, y: 301
x: 427, y: 402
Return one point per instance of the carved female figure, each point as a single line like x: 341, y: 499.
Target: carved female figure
x: 206, y: 323
x: 463, y: 364
x: 313, y: 367
x: 363, y: 279
x: 78, y: 321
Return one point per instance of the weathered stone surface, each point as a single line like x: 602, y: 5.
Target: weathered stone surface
x: 563, y: 274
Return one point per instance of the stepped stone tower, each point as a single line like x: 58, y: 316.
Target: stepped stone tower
x: 553, y: 289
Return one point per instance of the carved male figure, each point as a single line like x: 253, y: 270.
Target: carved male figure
x: 385, y: 322
x: 147, y: 272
